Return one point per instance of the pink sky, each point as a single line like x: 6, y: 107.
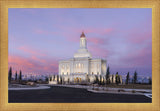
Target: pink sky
x: 39, y: 38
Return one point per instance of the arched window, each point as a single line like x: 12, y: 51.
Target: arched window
x: 92, y: 65
x: 98, y: 66
x: 66, y: 66
x: 62, y: 66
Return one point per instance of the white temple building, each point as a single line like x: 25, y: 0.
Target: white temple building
x: 82, y: 67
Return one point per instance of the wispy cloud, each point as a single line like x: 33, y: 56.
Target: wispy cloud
x: 33, y: 64
x: 31, y: 51
x: 98, y: 51
x: 43, y: 32
x: 138, y: 37
x: 96, y: 40
x: 74, y: 37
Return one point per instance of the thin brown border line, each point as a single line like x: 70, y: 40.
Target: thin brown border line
x: 154, y: 4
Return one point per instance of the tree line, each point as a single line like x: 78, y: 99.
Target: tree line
x: 117, y: 78
x: 17, y: 78
x: 134, y: 80
x: 108, y: 80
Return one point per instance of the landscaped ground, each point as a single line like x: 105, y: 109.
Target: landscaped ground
x: 59, y: 94
x: 131, y: 86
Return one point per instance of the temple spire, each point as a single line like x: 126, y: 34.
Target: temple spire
x: 83, y: 51
x: 82, y: 35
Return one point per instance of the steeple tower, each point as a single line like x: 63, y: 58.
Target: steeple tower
x: 83, y: 51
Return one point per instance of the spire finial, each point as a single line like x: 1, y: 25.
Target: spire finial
x: 82, y: 35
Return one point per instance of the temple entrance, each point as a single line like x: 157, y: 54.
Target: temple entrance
x: 77, y: 80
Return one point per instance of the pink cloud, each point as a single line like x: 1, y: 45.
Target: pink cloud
x: 72, y: 37
x: 90, y: 30
x: 40, y: 31
x: 97, y: 51
x: 101, y: 31
x: 96, y: 40
x: 31, y: 51
x: 37, y: 59
x: 107, y: 31
x: 139, y: 37
x: 33, y: 64
x: 140, y: 58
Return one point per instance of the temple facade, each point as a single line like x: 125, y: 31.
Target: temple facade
x: 82, y: 67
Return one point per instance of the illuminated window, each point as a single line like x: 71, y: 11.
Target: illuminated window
x: 98, y: 66
x: 67, y: 66
x: 82, y: 42
x: 92, y: 66
x: 62, y: 66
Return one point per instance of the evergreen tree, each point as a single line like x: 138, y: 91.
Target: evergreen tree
x: 100, y: 81
x: 46, y: 79
x: 87, y: 78
x: 103, y: 82
x: 107, y: 76
x: 57, y: 78
x: 127, y: 78
x: 112, y: 78
x: 96, y: 79
x: 20, y: 76
x: 10, y: 74
x: 61, y: 80
x: 132, y: 80
x: 135, y: 77
x: 117, y: 78
x: 16, y: 76
x: 68, y: 80
x: 150, y: 80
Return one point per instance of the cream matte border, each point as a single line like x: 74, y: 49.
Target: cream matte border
x: 5, y: 4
